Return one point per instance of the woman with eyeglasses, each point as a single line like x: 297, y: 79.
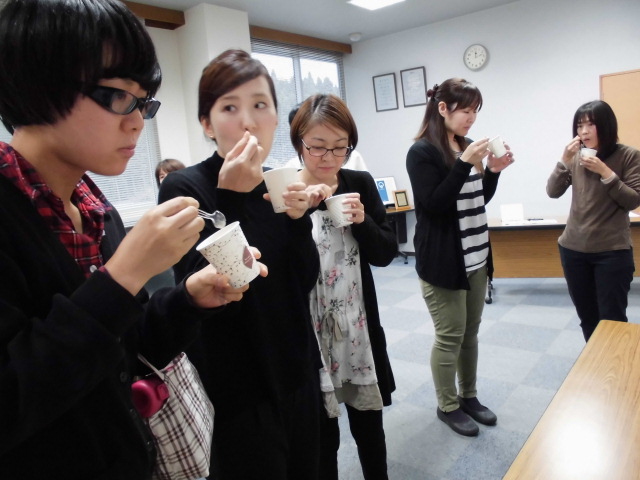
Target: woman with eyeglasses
x: 595, y: 247
x: 77, y: 80
x: 258, y: 358
x: 343, y: 303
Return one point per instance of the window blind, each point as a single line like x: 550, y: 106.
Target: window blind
x: 135, y: 191
x: 297, y: 73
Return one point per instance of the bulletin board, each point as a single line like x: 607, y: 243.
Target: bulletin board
x: 622, y: 91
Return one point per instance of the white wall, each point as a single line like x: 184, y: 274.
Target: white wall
x: 545, y: 60
x: 183, y: 53
x: 171, y: 118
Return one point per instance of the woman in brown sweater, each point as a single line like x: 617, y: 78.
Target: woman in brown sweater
x: 595, y: 247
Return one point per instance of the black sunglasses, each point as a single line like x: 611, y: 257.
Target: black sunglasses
x: 122, y: 102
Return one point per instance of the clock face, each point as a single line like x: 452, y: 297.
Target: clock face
x: 475, y: 57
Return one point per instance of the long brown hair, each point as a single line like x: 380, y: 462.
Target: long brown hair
x: 456, y: 93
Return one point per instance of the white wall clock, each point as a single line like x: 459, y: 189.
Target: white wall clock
x: 475, y: 56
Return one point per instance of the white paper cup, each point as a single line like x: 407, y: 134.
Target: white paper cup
x: 496, y: 145
x: 228, y: 251
x: 588, y: 152
x: 336, y: 208
x: 277, y: 181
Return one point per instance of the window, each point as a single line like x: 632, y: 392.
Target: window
x: 135, y: 191
x: 297, y: 73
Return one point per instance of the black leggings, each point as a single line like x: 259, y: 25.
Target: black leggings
x: 368, y: 432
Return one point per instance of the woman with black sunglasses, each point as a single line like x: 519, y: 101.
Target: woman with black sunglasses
x: 77, y: 80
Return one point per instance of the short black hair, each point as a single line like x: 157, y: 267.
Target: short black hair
x: 292, y: 113
x: 51, y: 51
x: 601, y: 115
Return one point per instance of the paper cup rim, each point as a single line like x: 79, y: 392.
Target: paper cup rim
x: 585, y: 149
x: 280, y: 169
x: 335, y: 197
x: 214, y: 237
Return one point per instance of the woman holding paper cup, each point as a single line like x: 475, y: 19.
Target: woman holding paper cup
x: 595, y: 247
x: 77, y: 79
x: 259, y: 358
x: 352, y: 233
x: 453, y: 254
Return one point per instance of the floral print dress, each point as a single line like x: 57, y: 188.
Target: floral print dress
x: 340, y: 320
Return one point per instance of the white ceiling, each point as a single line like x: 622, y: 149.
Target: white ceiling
x: 336, y: 19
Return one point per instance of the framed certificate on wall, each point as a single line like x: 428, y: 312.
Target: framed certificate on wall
x: 414, y: 86
x: 384, y: 90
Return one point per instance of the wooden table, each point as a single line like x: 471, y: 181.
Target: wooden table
x: 529, y: 251
x: 591, y: 429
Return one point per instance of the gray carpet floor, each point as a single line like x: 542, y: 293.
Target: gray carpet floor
x: 529, y: 340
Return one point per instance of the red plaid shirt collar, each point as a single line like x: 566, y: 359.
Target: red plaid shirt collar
x: 83, y: 247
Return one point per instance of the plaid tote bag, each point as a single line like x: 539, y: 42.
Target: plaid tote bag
x: 183, y: 427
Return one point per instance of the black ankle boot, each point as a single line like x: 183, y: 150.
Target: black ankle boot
x: 477, y: 411
x: 459, y: 422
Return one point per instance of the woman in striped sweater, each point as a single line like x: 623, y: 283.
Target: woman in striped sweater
x: 453, y: 254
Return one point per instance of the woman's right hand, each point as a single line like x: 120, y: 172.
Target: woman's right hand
x: 476, y: 152
x: 318, y: 193
x: 242, y: 167
x: 158, y: 241
x: 570, y: 151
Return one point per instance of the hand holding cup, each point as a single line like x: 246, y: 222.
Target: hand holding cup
x: 497, y: 147
x: 495, y: 162
x: 586, y: 153
x: 340, y: 209
x: 277, y: 181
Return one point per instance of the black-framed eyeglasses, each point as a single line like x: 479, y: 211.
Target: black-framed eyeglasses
x: 321, y: 151
x: 122, y: 102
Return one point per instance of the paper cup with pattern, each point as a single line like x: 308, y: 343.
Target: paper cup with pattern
x: 496, y: 145
x: 277, y: 181
x: 336, y: 208
x: 228, y: 251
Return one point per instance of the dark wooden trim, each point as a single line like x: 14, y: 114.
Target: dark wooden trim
x: 295, y: 39
x: 156, y: 16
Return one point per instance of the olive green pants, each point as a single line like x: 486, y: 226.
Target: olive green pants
x: 456, y: 316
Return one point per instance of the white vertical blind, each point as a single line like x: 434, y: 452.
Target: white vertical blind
x: 135, y: 191
x: 297, y: 73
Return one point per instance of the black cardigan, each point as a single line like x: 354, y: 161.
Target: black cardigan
x: 68, y: 353
x: 378, y: 247
x: 437, y: 239
x: 262, y: 347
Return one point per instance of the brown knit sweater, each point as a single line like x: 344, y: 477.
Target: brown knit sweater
x: 599, y: 216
